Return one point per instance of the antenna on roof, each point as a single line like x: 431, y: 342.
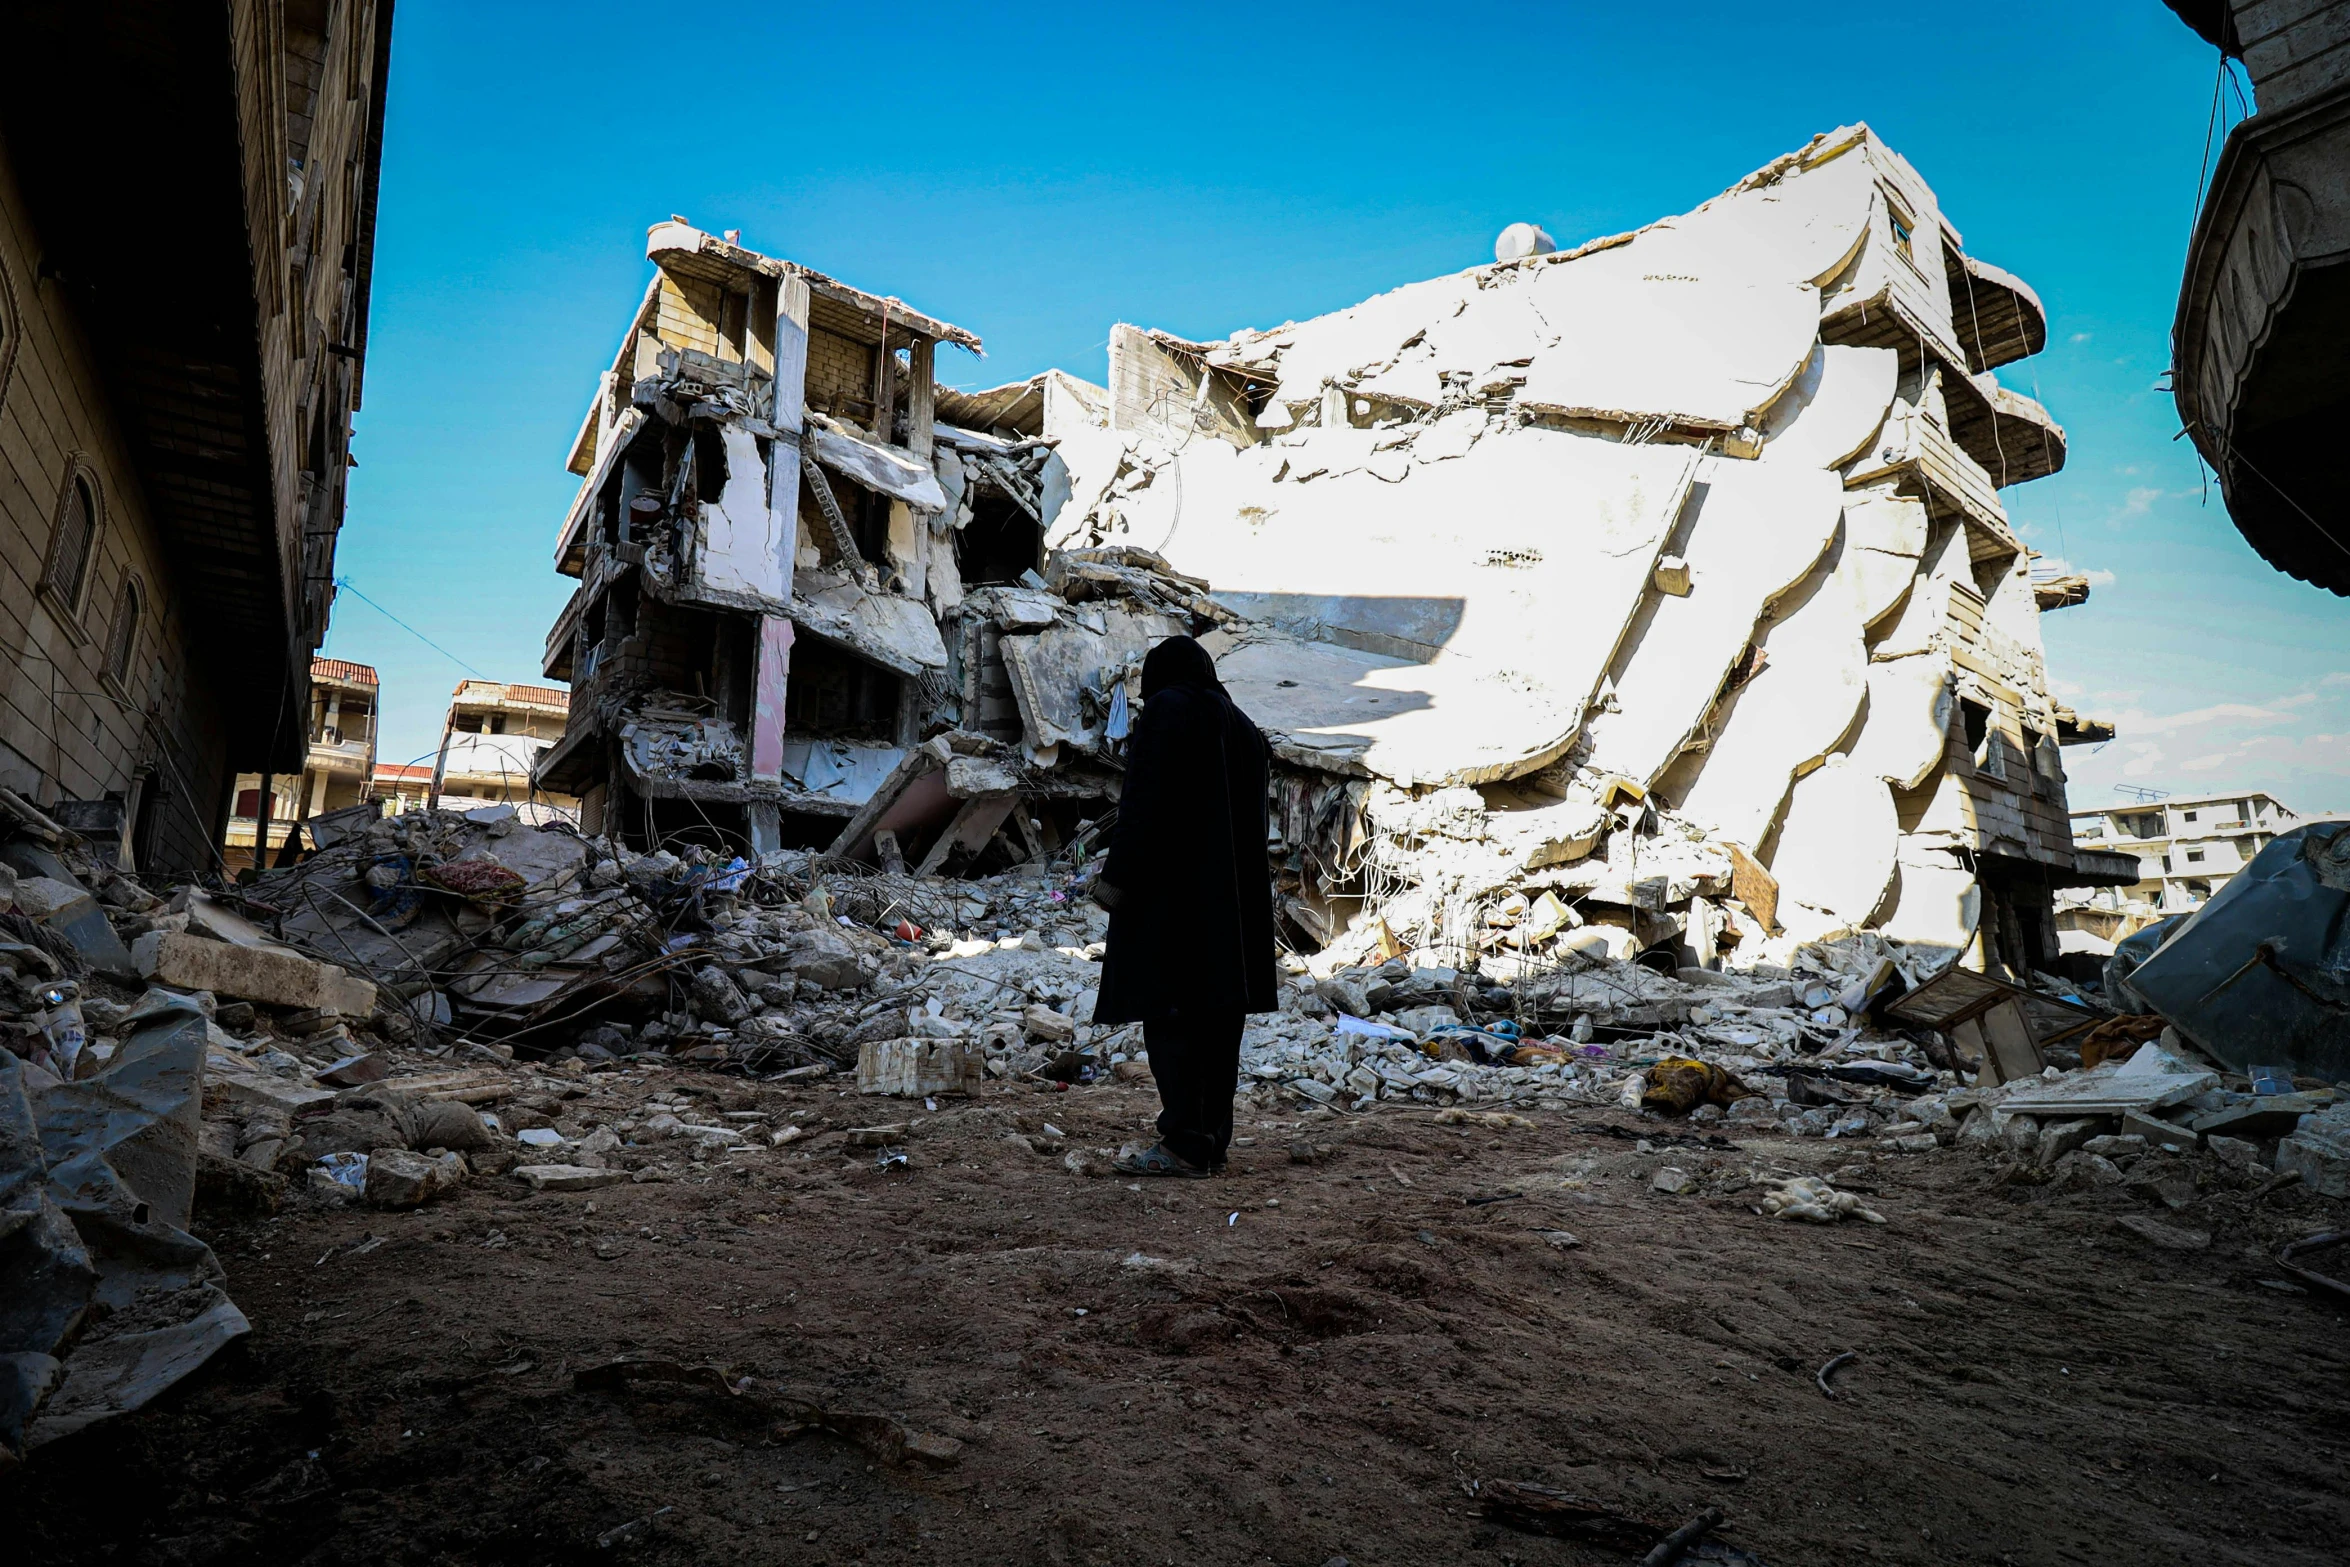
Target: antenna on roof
x: 2141, y: 794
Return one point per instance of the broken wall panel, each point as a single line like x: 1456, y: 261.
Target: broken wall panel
x: 745, y: 548
x: 1062, y: 676
x: 1401, y: 558
x: 1810, y: 677
x: 1450, y: 576
x: 1755, y: 531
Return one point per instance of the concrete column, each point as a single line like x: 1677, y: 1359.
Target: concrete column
x: 770, y: 679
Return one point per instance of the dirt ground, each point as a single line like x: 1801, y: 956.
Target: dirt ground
x: 1298, y: 1361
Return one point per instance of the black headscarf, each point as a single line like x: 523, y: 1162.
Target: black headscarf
x: 1178, y: 661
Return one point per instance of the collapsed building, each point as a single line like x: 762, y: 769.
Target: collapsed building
x: 1702, y: 518
x: 2257, y: 347
x: 1652, y: 592
x: 793, y: 573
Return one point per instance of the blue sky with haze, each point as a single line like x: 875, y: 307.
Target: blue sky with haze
x: 1040, y: 174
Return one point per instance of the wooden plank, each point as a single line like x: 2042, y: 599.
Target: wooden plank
x: 922, y: 398
x: 1755, y: 887
x: 2009, y: 1052
x: 973, y: 825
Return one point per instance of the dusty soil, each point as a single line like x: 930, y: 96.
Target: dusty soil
x: 1295, y: 1362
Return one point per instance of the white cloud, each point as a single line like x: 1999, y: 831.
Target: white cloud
x: 2079, y: 337
x: 2197, y: 718
x: 2292, y: 744
x: 2099, y: 577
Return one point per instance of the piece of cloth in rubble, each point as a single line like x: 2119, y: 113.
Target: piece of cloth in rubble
x: 2260, y: 975
x: 1678, y: 1085
x: 1195, y: 1060
x: 106, y: 1298
x: 1193, y: 922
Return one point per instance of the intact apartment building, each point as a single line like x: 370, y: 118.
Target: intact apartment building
x: 337, y: 770
x: 2186, y: 850
x: 187, y: 221
x: 403, y: 786
x: 494, y: 735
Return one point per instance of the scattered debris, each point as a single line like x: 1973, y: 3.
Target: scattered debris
x: 2324, y: 1240
x: 1809, y: 1197
x: 1542, y: 1509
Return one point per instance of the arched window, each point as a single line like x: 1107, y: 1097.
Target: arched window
x: 10, y: 330
x: 122, y: 638
x: 74, y: 542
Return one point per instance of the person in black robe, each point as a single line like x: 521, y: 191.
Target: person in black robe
x: 1190, y: 895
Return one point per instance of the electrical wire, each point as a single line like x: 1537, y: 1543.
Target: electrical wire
x: 353, y: 587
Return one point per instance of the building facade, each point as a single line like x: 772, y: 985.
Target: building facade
x: 494, y: 735
x: 1788, y: 401
x: 402, y: 786
x: 2260, y: 357
x: 337, y: 771
x: 187, y: 214
x: 2186, y: 849
x: 755, y: 636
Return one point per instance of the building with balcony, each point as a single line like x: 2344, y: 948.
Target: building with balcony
x: 2260, y: 349
x: 1791, y: 396
x: 493, y: 737
x: 760, y: 535
x: 337, y: 772
x: 402, y: 786
x: 187, y: 230
x: 2185, y: 849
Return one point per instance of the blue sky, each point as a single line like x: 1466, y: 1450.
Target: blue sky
x: 1039, y: 175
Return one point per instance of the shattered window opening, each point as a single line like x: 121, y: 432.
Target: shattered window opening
x: 836, y: 695
x: 1981, y: 740
x: 999, y: 542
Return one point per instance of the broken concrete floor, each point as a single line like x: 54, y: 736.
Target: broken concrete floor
x: 1135, y: 1374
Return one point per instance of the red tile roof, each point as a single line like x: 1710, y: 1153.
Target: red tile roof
x: 396, y: 772
x: 502, y: 691
x: 347, y: 673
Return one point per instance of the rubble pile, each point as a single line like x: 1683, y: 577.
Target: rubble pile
x: 1702, y: 520
x: 569, y: 1013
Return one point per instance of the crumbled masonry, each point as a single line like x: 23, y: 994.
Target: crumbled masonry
x: 1661, y: 725
x: 1660, y: 584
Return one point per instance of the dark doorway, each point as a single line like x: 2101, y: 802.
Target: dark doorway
x: 999, y: 542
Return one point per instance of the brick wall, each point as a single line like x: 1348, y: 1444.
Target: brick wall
x: 66, y: 729
x: 840, y: 375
